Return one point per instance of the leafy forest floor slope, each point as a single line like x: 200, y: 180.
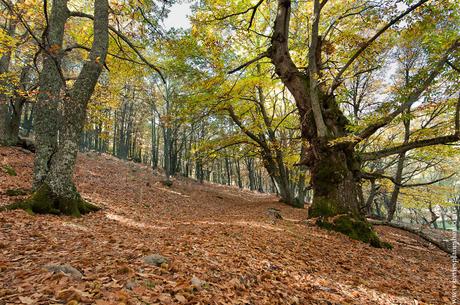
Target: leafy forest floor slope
x: 221, y: 247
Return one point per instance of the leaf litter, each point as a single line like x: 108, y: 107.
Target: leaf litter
x: 218, y: 244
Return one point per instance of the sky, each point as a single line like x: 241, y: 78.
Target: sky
x: 178, y: 16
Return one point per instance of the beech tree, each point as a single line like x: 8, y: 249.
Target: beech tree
x: 334, y: 158
x: 57, y: 134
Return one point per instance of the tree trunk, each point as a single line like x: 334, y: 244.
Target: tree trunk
x: 399, y: 169
x: 28, y: 118
x: 49, y: 96
x: 443, y: 219
x: 6, y: 133
x: 457, y: 219
x: 334, y: 185
x: 372, y: 192
x: 302, y: 190
x: 251, y: 173
x: 334, y: 168
x: 238, y: 173
x: 54, y: 190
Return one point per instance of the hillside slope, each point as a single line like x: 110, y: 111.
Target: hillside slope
x: 221, y: 247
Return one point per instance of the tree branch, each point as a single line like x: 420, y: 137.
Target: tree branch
x: 453, y: 66
x: 79, y: 46
x: 412, y: 98
x: 259, y: 57
x: 252, y: 8
x: 237, y: 121
x: 409, y: 146
x: 371, y: 176
x: 420, y: 143
x: 126, y: 40
x: 338, y: 79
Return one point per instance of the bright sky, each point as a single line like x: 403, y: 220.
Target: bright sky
x: 178, y: 16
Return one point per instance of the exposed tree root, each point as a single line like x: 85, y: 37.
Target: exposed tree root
x: 44, y: 201
x: 354, y: 228
x: 427, y: 234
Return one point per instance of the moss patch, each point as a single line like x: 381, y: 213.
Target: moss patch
x: 323, y: 207
x: 354, y: 228
x: 16, y: 192
x: 44, y: 201
x: 9, y: 170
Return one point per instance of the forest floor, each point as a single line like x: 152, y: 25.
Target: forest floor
x: 220, y: 243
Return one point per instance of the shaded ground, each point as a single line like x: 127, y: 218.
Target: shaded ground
x: 219, y: 235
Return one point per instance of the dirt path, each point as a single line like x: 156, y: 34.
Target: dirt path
x: 218, y: 235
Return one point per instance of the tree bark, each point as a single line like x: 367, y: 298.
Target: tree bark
x: 54, y: 189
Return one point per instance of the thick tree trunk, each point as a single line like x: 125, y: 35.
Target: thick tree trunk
x: 54, y: 190
x: 334, y: 185
x: 333, y: 166
x: 49, y: 96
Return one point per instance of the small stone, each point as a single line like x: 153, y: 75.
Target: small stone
x: 197, y: 283
x: 274, y: 213
x: 67, y: 269
x: 130, y: 285
x: 155, y: 259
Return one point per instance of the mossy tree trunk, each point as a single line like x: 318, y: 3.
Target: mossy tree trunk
x: 332, y: 158
x: 54, y: 189
x: 335, y: 185
x: 334, y: 168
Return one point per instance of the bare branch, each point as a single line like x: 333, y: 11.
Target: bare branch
x: 338, y: 79
x: 249, y: 9
x: 126, y: 40
x: 412, y: 98
x: 238, y: 122
x: 259, y: 57
x: 79, y: 46
x: 373, y: 176
x: 254, y: 11
x: 410, y: 146
x: 284, y: 118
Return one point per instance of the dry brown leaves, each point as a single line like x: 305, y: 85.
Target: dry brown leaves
x: 219, y: 236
